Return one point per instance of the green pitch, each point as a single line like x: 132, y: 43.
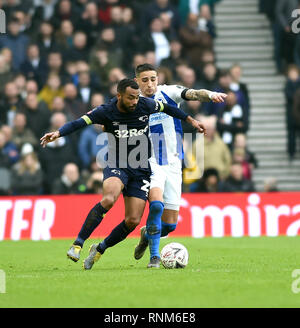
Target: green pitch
x: 226, y: 272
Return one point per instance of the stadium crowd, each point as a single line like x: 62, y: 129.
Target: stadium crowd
x: 287, y: 57
x: 61, y: 58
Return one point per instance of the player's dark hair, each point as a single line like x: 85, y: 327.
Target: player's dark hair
x: 144, y: 68
x: 123, y: 84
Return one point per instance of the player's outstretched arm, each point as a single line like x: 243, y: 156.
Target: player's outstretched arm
x: 205, y: 95
x: 65, y: 130
x: 178, y: 113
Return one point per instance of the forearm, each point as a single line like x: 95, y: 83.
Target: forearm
x: 72, y: 126
x: 174, y: 112
x: 201, y: 94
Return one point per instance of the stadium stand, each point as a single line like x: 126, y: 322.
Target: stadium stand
x: 59, y: 57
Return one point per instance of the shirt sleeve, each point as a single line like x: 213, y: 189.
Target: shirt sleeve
x: 95, y: 116
x: 175, y: 92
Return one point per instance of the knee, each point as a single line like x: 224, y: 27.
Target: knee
x: 156, y: 208
x: 132, y: 221
x: 108, y: 201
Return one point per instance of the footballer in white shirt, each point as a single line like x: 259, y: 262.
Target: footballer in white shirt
x: 166, y: 159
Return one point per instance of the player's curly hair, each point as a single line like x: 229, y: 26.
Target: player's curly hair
x: 123, y: 84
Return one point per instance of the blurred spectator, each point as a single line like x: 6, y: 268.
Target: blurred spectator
x: 64, y: 10
x: 88, y: 147
x: 270, y: 184
x: 53, y: 88
x: 156, y: 40
x: 37, y: 115
x: 240, y: 141
x: 64, y: 36
x: 155, y: 9
x: 209, y: 182
x: 55, y: 65
x: 194, y: 41
x: 85, y: 87
x: 188, y: 78
x: 34, y: 67
x: 175, y: 56
x: 5, y: 73
x: 56, y: 154
x: 216, y: 153
x: 70, y: 181
x: 164, y: 76
x: 20, y: 133
x: 9, y: 147
x: 10, y: 103
x: 232, y: 119
x: 236, y: 182
x: 5, y: 178
x: 95, y: 183
x: 101, y: 63
x: 238, y: 87
x: 74, y: 106
x: 90, y: 23
x: 16, y: 41
x: 45, y: 39
x: 78, y: 49
x: 292, y: 84
x: 109, y: 41
x: 27, y: 176
x: 208, y: 79
x: 239, y: 156
x: 59, y: 106
x: 31, y: 87
x: 284, y: 38
x: 20, y: 82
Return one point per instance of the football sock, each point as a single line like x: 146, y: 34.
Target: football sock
x: 92, y: 221
x: 119, y: 233
x: 166, y: 228
x: 153, y: 227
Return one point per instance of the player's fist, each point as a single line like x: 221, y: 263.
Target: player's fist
x: 217, y: 97
x: 49, y: 137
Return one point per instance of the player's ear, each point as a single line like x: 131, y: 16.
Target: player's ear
x: 135, y: 79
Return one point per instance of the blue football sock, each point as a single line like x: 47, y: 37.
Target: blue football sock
x: 92, y: 221
x: 119, y: 233
x: 166, y: 228
x: 153, y: 227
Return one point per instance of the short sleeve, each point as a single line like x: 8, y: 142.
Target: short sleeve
x: 174, y: 92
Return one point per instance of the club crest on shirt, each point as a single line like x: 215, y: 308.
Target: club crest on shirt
x: 143, y: 118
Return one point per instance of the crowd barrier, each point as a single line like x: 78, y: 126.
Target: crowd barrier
x: 201, y: 215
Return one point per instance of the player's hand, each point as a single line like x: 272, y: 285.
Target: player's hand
x: 218, y: 97
x: 197, y: 125
x: 49, y: 137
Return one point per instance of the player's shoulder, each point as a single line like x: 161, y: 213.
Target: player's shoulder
x: 172, y: 91
x: 145, y: 101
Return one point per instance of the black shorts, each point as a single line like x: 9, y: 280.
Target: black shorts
x: 136, y: 183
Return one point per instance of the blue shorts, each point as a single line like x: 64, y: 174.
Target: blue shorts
x: 136, y: 184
